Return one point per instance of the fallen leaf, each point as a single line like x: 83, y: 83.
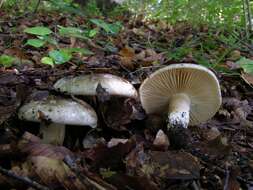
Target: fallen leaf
x: 55, y: 173
x: 161, y: 141
x: 163, y: 165
x: 211, y: 134
x: 248, y: 78
x: 32, y: 146
x: 127, y: 56
x: 115, y: 141
x: 102, y: 156
x: 125, y: 182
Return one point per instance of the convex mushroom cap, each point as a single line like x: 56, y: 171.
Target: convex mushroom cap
x: 59, y: 112
x: 189, y: 93
x: 87, y: 85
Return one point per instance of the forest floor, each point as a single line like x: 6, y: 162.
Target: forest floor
x: 219, y: 154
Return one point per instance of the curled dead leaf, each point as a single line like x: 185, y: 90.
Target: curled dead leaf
x: 31, y: 145
x: 55, y: 173
x: 161, y: 141
x: 248, y: 78
x: 163, y: 165
x: 127, y: 56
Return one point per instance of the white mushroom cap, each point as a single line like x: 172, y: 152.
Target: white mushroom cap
x: 87, y: 85
x: 59, y: 111
x: 196, y: 85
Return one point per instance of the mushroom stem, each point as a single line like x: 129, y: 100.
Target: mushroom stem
x: 53, y: 133
x: 179, y: 109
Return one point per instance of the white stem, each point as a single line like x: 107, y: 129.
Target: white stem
x: 179, y: 109
x: 53, y: 133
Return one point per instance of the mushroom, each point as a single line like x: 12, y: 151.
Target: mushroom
x: 106, y: 85
x: 59, y: 112
x: 87, y: 85
x: 188, y: 93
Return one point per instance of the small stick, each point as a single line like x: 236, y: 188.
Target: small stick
x: 227, y: 173
x: 24, y: 180
x: 36, y: 7
x: 195, y: 186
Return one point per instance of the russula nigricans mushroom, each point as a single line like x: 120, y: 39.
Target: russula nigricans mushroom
x: 188, y: 93
x: 59, y: 112
x: 87, y: 85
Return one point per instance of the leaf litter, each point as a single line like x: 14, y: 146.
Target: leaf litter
x: 129, y: 150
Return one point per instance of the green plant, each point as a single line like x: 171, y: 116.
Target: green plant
x: 6, y: 60
x: 42, y: 33
x: 77, y: 32
x: 246, y: 65
x: 58, y: 57
x: 108, y: 28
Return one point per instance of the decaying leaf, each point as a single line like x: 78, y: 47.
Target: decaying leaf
x: 55, y: 173
x: 161, y: 141
x: 210, y: 134
x: 32, y: 146
x: 248, y: 78
x: 127, y: 56
x: 163, y: 165
x: 117, y: 113
x: 148, y: 57
x: 125, y: 182
x: 102, y: 156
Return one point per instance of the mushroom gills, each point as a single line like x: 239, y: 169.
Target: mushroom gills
x: 179, y: 111
x: 53, y: 133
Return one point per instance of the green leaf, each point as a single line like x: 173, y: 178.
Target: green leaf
x: 60, y: 56
x: 47, y: 61
x: 38, y: 30
x: 48, y: 39
x: 7, y: 60
x: 246, y: 65
x: 72, y: 32
x: 35, y: 43
x: 83, y: 51
x: 109, y: 28
x: 92, y: 33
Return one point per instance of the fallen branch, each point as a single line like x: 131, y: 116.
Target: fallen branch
x: 22, y: 179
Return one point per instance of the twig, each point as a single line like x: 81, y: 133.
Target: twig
x: 1, y: 3
x: 245, y: 18
x: 24, y: 180
x: 37, y: 6
x: 227, y: 173
x: 195, y: 186
x: 249, y: 14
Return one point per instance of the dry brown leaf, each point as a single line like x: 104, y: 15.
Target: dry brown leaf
x: 16, y: 52
x: 32, y: 146
x: 211, y: 134
x: 127, y: 56
x: 148, y: 57
x: 54, y: 172
x: 115, y: 141
x: 248, y: 78
x: 234, y: 55
x: 161, y: 141
x: 72, y: 42
x: 163, y: 165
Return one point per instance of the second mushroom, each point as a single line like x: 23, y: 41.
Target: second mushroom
x: 59, y: 112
